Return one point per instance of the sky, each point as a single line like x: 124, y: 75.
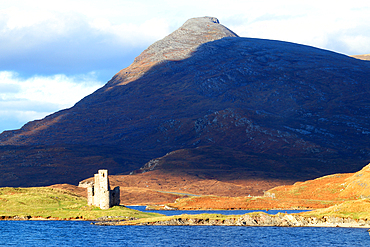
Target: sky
x: 54, y: 53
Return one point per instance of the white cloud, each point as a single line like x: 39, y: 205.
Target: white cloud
x: 26, y: 99
x: 56, y: 89
x: 133, y: 34
x: 54, y: 41
x: 20, y: 18
x: 48, y: 23
x: 140, y: 23
x: 321, y: 24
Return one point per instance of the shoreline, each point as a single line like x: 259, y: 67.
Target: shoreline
x: 249, y: 219
x: 38, y: 218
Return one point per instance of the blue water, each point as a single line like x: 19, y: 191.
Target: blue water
x: 72, y: 233
x: 224, y: 212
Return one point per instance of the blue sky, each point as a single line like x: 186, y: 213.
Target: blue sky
x: 53, y: 53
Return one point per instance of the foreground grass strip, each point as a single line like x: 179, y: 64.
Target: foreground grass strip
x: 51, y: 203
x: 355, y: 209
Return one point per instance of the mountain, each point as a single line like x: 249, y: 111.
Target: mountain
x: 206, y: 102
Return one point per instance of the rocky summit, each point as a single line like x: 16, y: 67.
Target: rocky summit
x: 208, y: 103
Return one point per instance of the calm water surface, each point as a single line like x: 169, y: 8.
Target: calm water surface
x: 69, y: 233
x: 81, y: 233
x: 224, y: 212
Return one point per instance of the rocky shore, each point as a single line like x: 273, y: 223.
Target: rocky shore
x: 28, y: 217
x: 251, y: 219
x: 254, y: 219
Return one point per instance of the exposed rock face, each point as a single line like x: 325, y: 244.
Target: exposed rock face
x: 299, y: 109
x: 259, y: 219
x: 184, y: 41
x: 262, y: 219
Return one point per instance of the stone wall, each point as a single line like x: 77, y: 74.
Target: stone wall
x: 99, y: 193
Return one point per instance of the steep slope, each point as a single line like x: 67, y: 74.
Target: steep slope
x: 298, y: 108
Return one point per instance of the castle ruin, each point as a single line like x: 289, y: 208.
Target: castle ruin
x: 99, y: 193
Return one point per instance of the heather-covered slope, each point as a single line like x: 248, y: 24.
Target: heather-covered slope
x: 301, y: 108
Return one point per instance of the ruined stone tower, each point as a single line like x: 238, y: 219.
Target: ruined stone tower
x: 99, y: 193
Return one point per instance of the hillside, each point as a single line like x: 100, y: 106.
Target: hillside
x: 347, y: 186
x: 336, y: 194
x: 234, y: 108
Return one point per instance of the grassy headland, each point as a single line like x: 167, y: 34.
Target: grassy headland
x: 51, y: 203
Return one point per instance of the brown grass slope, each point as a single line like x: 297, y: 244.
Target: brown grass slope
x: 341, y: 195
x: 336, y: 187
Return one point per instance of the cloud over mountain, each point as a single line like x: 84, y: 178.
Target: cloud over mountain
x: 26, y: 99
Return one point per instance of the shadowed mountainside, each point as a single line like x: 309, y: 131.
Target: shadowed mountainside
x: 274, y: 108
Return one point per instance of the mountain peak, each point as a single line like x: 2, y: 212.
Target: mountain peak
x: 178, y: 45
x: 183, y: 41
x: 203, y: 19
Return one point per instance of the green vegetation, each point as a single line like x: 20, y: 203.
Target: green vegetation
x: 56, y: 204
x: 355, y: 209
